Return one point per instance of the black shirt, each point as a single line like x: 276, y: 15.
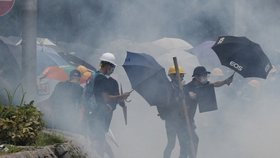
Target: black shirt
x: 67, y: 94
x: 191, y: 103
x: 104, y: 84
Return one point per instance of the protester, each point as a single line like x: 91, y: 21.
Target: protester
x: 174, y: 120
x: 200, y: 78
x: 65, y: 101
x: 101, y: 97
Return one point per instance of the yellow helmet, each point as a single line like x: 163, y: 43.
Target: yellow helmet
x: 172, y: 70
x: 86, y: 75
x: 82, y: 69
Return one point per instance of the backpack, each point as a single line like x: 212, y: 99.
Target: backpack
x: 89, y: 100
x: 166, y: 110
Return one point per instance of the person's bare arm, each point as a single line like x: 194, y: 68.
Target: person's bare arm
x: 219, y: 83
x: 227, y: 81
x: 115, y: 98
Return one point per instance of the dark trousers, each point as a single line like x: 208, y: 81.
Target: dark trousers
x: 177, y: 127
x: 98, y: 127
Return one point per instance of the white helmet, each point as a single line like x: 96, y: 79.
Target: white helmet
x: 108, y: 57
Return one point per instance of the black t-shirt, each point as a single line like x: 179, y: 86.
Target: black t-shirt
x: 104, y: 84
x: 67, y: 94
x: 191, y: 103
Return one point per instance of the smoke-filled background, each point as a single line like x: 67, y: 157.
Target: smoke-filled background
x: 246, y: 124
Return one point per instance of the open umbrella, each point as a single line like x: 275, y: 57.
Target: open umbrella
x: 243, y: 56
x: 205, y: 55
x: 74, y: 60
x: 48, y: 57
x: 61, y: 73
x: 187, y: 60
x: 173, y: 43
x: 55, y: 72
x: 148, y: 78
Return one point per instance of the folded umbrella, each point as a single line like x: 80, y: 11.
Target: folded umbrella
x: 243, y: 56
x: 148, y: 78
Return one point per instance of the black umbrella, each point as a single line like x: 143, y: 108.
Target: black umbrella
x: 148, y: 78
x: 74, y: 60
x: 243, y: 56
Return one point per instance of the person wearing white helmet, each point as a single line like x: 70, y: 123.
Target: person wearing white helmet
x: 105, y: 91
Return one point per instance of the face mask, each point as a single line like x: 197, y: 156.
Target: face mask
x: 110, y: 71
x: 203, y: 80
x: 174, y: 78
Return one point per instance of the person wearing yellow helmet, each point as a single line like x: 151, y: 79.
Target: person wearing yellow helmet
x: 172, y: 73
x: 82, y: 69
x: 172, y: 115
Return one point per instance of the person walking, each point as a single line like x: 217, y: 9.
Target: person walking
x: 101, y: 97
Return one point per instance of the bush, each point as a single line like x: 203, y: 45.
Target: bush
x: 20, y: 125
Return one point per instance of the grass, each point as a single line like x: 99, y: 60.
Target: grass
x: 45, y: 139
x: 11, y: 149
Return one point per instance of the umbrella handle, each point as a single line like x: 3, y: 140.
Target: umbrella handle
x: 131, y: 91
x: 230, y: 78
x: 126, y: 100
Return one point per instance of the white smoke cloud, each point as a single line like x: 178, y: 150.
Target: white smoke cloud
x: 241, y: 127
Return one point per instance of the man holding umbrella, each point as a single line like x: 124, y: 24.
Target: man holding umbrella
x: 105, y: 91
x: 191, y: 90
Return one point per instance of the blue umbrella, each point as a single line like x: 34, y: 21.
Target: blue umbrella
x: 148, y: 78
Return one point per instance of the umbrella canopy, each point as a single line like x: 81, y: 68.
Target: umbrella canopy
x: 56, y: 73
x: 173, y: 43
x: 206, y: 56
x: 61, y: 73
x: 243, y: 56
x: 9, y: 68
x: 48, y: 57
x: 148, y: 78
x: 185, y: 60
x: 74, y: 60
